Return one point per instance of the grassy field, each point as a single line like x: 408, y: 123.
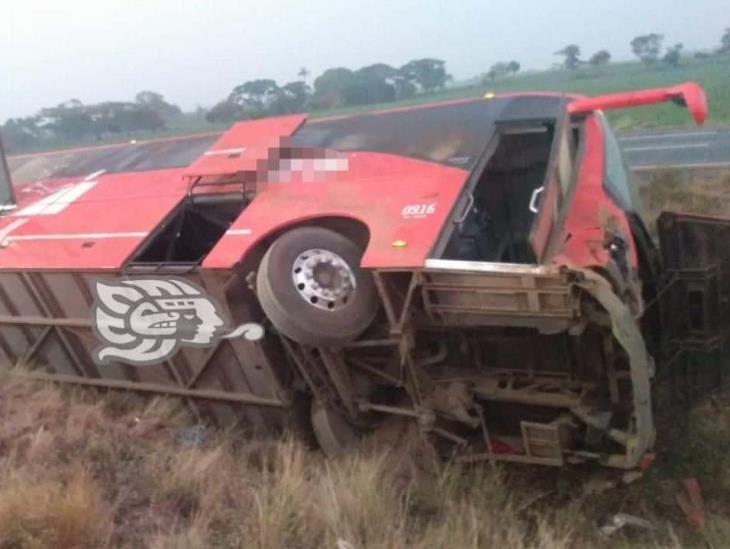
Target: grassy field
x: 86, y: 470
x: 713, y: 74
x: 704, y: 191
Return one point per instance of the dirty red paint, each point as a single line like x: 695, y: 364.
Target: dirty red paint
x: 397, y: 198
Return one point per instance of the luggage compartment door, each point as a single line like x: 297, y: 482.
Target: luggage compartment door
x: 695, y: 303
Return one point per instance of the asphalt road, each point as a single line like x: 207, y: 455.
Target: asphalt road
x: 690, y: 147
x: 144, y: 155
x: 643, y: 150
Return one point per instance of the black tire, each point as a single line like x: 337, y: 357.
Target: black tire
x: 291, y: 314
x: 332, y: 431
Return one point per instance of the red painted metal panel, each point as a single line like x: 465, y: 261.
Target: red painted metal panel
x: 97, y: 229
x: 591, y: 210
x: 688, y: 94
x: 375, y: 188
x: 246, y: 143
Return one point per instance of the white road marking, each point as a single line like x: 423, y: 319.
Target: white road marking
x: 58, y: 201
x: 668, y: 136
x: 76, y: 236
x: 94, y: 175
x: 668, y: 147
x: 653, y: 167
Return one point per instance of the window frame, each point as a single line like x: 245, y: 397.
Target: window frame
x: 613, y: 158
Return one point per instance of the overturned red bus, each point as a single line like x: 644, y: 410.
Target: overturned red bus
x: 477, y: 266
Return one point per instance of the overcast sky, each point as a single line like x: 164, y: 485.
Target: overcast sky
x: 194, y: 52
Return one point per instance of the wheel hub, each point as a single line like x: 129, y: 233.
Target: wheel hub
x: 323, y: 279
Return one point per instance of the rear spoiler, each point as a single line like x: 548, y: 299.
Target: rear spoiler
x: 689, y: 95
x: 7, y: 196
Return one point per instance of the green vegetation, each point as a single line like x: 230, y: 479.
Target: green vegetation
x: 713, y: 74
x: 341, y: 90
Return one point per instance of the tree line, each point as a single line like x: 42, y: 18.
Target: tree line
x: 74, y: 121
x: 336, y: 87
x: 649, y: 48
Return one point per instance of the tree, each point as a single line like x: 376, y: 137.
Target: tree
x: 21, y: 133
x: 501, y: 69
x: 673, y: 55
x: 69, y: 120
x: 256, y: 96
x: 303, y: 74
x: 571, y: 52
x: 73, y: 121
x: 293, y: 97
x: 225, y: 112
x: 156, y: 102
x: 497, y: 70
x: 725, y: 42
x: 329, y: 87
x: 647, y: 47
x: 122, y: 117
x: 371, y: 84
x: 404, y: 88
x: 428, y: 73
x: 602, y: 57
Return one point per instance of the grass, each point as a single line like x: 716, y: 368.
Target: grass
x: 61, y: 511
x: 704, y: 191
x: 84, y: 469
x: 713, y: 74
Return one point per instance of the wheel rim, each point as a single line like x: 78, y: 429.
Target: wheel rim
x: 323, y: 279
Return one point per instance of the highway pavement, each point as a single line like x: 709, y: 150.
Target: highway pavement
x: 693, y: 147
x: 643, y: 150
x: 126, y: 157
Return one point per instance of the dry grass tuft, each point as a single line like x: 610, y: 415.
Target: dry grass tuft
x: 50, y: 512
x: 80, y: 469
x: 704, y: 191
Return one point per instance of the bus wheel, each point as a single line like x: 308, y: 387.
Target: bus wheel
x: 311, y: 287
